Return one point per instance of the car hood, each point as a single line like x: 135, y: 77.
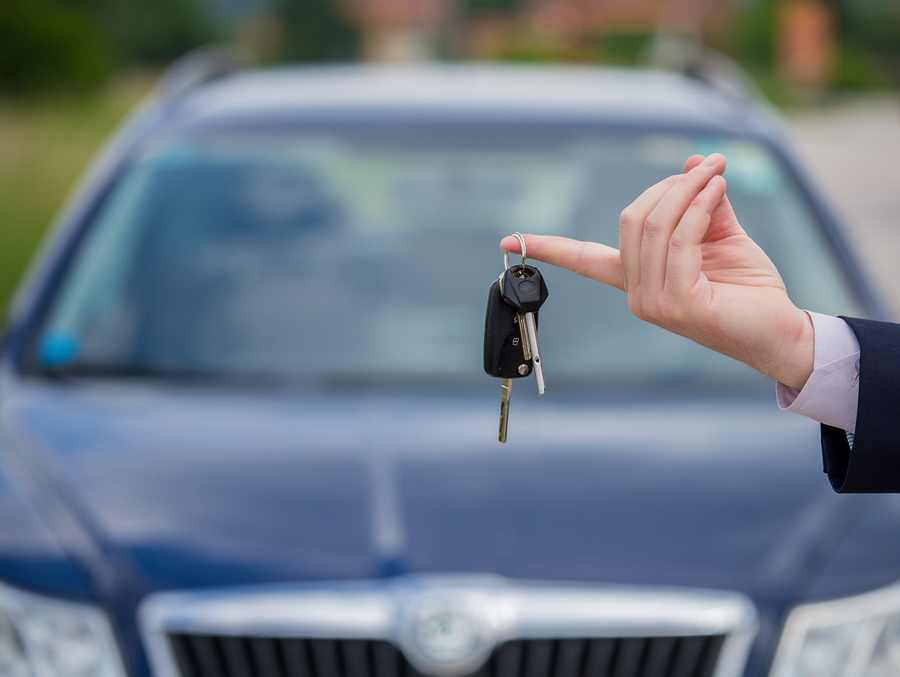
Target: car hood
x: 186, y: 488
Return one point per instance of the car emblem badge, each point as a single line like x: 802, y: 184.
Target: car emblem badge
x: 447, y: 633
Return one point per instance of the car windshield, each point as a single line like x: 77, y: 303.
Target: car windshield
x: 317, y: 254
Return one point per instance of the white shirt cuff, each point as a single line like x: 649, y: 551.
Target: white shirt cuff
x: 831, y: 394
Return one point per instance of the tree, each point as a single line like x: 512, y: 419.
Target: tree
x: 50, y: 44
x: 315, y: 30
x: 152, y: 31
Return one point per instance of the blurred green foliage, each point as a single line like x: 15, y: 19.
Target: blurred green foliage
x: 45, y: 144
x: 870, y: 32
x: 614, y: 47
x: 860, y: 69
x: 475, y: 7
x: 48, y: 44
x: 152, y: 31
x: 868, y: 42
x: 315, y: 30
x: 751, y: 40
x: 78, y: 44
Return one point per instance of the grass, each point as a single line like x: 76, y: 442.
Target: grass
x: 45, y: 144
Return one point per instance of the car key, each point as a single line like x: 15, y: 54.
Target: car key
x: 504, y: 355
x: 510, y: 345
x: 525, y: 291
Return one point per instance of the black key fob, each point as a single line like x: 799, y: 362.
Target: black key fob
x: 503, y: 353
x: 524, y: 288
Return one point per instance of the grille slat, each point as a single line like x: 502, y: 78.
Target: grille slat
x: 599, y: 657
x: 224, y: 656
x: 628, y: 657
x: 508, y: 659
x: 237, y: 659
x: 326, y: 661
x: 356, y: 662
x: 183, y: 655
x: 698, y: 658
x: 711, y: 651
x: 385, y: 660
x: 199, y: 656
x: 264, y: 652
x: 688, y: 657
x: 538, y: 658
x: 296, y: 657
x: 569, y: 656
x: 659, y: 657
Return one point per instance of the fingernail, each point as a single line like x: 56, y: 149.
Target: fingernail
x: 711, y: 160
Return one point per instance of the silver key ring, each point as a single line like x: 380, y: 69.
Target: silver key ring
x: 521, y: 240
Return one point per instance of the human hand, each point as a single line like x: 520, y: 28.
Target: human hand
x: 689, y: 267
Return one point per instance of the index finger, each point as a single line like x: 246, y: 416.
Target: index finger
x: 588, y: 259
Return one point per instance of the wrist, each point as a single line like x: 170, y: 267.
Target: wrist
x: 800, y: 352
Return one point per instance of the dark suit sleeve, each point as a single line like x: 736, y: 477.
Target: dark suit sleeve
x: 873, y: 464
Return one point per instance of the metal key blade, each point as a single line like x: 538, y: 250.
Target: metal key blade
x: 505, y: 387
x: 531, y: 331
x: 526, y: 343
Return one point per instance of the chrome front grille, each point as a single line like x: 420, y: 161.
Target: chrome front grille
x: 223, y: 656
x: 448, y: 626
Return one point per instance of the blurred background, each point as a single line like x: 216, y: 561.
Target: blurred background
x: 71, y: 69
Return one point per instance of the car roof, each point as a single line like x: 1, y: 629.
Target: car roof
x: 469, y: 91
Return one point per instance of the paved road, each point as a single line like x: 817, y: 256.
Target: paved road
x: 853, y: 150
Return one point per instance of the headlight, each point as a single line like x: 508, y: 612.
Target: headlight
x: 851, y: 636
x: 45, y: 637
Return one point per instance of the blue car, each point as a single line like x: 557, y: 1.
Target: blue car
x: 246, y: 430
